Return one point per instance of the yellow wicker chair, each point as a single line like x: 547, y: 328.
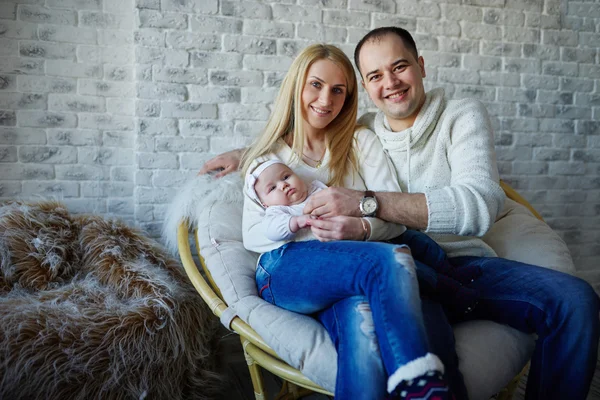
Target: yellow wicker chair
x: 257, y: 352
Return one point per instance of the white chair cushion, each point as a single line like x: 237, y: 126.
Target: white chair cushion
x: 517, y: 231
x: 298, y: 339
x: 490, y: 354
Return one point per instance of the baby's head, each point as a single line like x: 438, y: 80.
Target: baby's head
x: 274, y: 184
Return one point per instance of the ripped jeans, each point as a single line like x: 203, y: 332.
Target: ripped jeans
x: 350, y: 325
x: 308, y: 277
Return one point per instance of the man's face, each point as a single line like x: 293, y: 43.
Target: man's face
x: 393, y: 78
x: 278, y: 185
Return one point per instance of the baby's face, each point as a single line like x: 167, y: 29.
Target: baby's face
x: 278, y: 185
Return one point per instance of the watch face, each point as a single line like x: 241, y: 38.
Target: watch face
x: 370, y: 205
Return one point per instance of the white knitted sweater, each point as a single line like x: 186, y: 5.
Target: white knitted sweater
x: 449, y: 155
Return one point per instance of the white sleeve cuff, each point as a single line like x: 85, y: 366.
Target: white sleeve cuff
x: 441, y: 212
x: 382, y: 230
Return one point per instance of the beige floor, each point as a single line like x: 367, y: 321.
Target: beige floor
x: 239, y: 387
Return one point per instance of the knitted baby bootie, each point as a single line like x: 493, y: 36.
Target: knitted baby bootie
x: 430, y: 386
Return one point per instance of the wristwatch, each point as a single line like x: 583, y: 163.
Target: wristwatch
x: 368, y: 204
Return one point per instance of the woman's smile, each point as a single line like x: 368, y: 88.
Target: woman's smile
x: 320, y: 111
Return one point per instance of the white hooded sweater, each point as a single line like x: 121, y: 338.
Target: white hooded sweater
x: 448, y: 154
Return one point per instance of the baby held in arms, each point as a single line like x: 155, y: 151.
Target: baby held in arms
x: 283, y: 194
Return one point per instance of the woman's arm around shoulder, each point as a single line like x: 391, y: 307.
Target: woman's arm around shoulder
x: 223, y: 164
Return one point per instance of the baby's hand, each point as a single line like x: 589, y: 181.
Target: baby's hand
x: 303, y: 221
x: 299, y: 222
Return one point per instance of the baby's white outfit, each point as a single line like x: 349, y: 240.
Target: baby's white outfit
x: 276, y: 222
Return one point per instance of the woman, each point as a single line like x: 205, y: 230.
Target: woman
x: 312, y: 129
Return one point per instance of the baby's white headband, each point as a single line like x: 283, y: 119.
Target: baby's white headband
x: 253, y: 176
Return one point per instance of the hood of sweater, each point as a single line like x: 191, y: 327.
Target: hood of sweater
x: 421, y: 129
x: 417, y: 134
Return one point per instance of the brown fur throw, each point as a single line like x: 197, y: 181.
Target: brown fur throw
x: 92, y: 309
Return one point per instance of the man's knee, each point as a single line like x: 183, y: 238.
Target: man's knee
x: 581, y: 301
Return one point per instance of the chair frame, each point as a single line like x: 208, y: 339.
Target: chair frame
x: 256, y: 352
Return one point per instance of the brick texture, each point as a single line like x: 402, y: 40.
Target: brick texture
x: 109, y: 104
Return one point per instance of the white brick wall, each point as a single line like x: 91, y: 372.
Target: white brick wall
x: 110, y: 104
x: 68, y: 103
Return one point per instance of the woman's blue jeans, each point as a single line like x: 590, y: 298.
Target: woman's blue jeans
x: 308, y: 277
x: 361, y: 375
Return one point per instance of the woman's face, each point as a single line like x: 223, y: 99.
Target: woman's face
x: 323, y: 94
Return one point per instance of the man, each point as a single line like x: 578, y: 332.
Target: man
x: 443, y: 152
x: 452, y: 142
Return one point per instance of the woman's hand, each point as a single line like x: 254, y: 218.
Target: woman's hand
x: 338, y: 228
x: 223, y: 164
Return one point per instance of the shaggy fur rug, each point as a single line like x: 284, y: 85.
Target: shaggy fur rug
x: 193, y: 197
x: 92, y: 309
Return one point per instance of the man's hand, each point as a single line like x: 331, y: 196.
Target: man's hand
x: 335, y: 201
x: 223, y: 164
x: 337, y: 228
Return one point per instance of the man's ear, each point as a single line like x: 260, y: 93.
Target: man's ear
x: 421, y: 62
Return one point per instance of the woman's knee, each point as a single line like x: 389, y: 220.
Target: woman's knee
x: 404, y: 260
x: 401, y: 255
x: 387, y: 260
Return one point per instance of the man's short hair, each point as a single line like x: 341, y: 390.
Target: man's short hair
x: 379, y: 33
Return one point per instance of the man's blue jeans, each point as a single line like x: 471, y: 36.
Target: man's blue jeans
x: 561, y: 309
x: 308, y: 277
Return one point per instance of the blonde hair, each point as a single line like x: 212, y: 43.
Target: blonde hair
x: 287, y: 118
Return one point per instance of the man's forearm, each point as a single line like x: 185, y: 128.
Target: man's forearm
x: 409, y: 209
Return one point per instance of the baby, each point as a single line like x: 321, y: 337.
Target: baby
x: 283, y: 194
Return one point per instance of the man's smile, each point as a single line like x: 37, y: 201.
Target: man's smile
x: 396, y: 95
